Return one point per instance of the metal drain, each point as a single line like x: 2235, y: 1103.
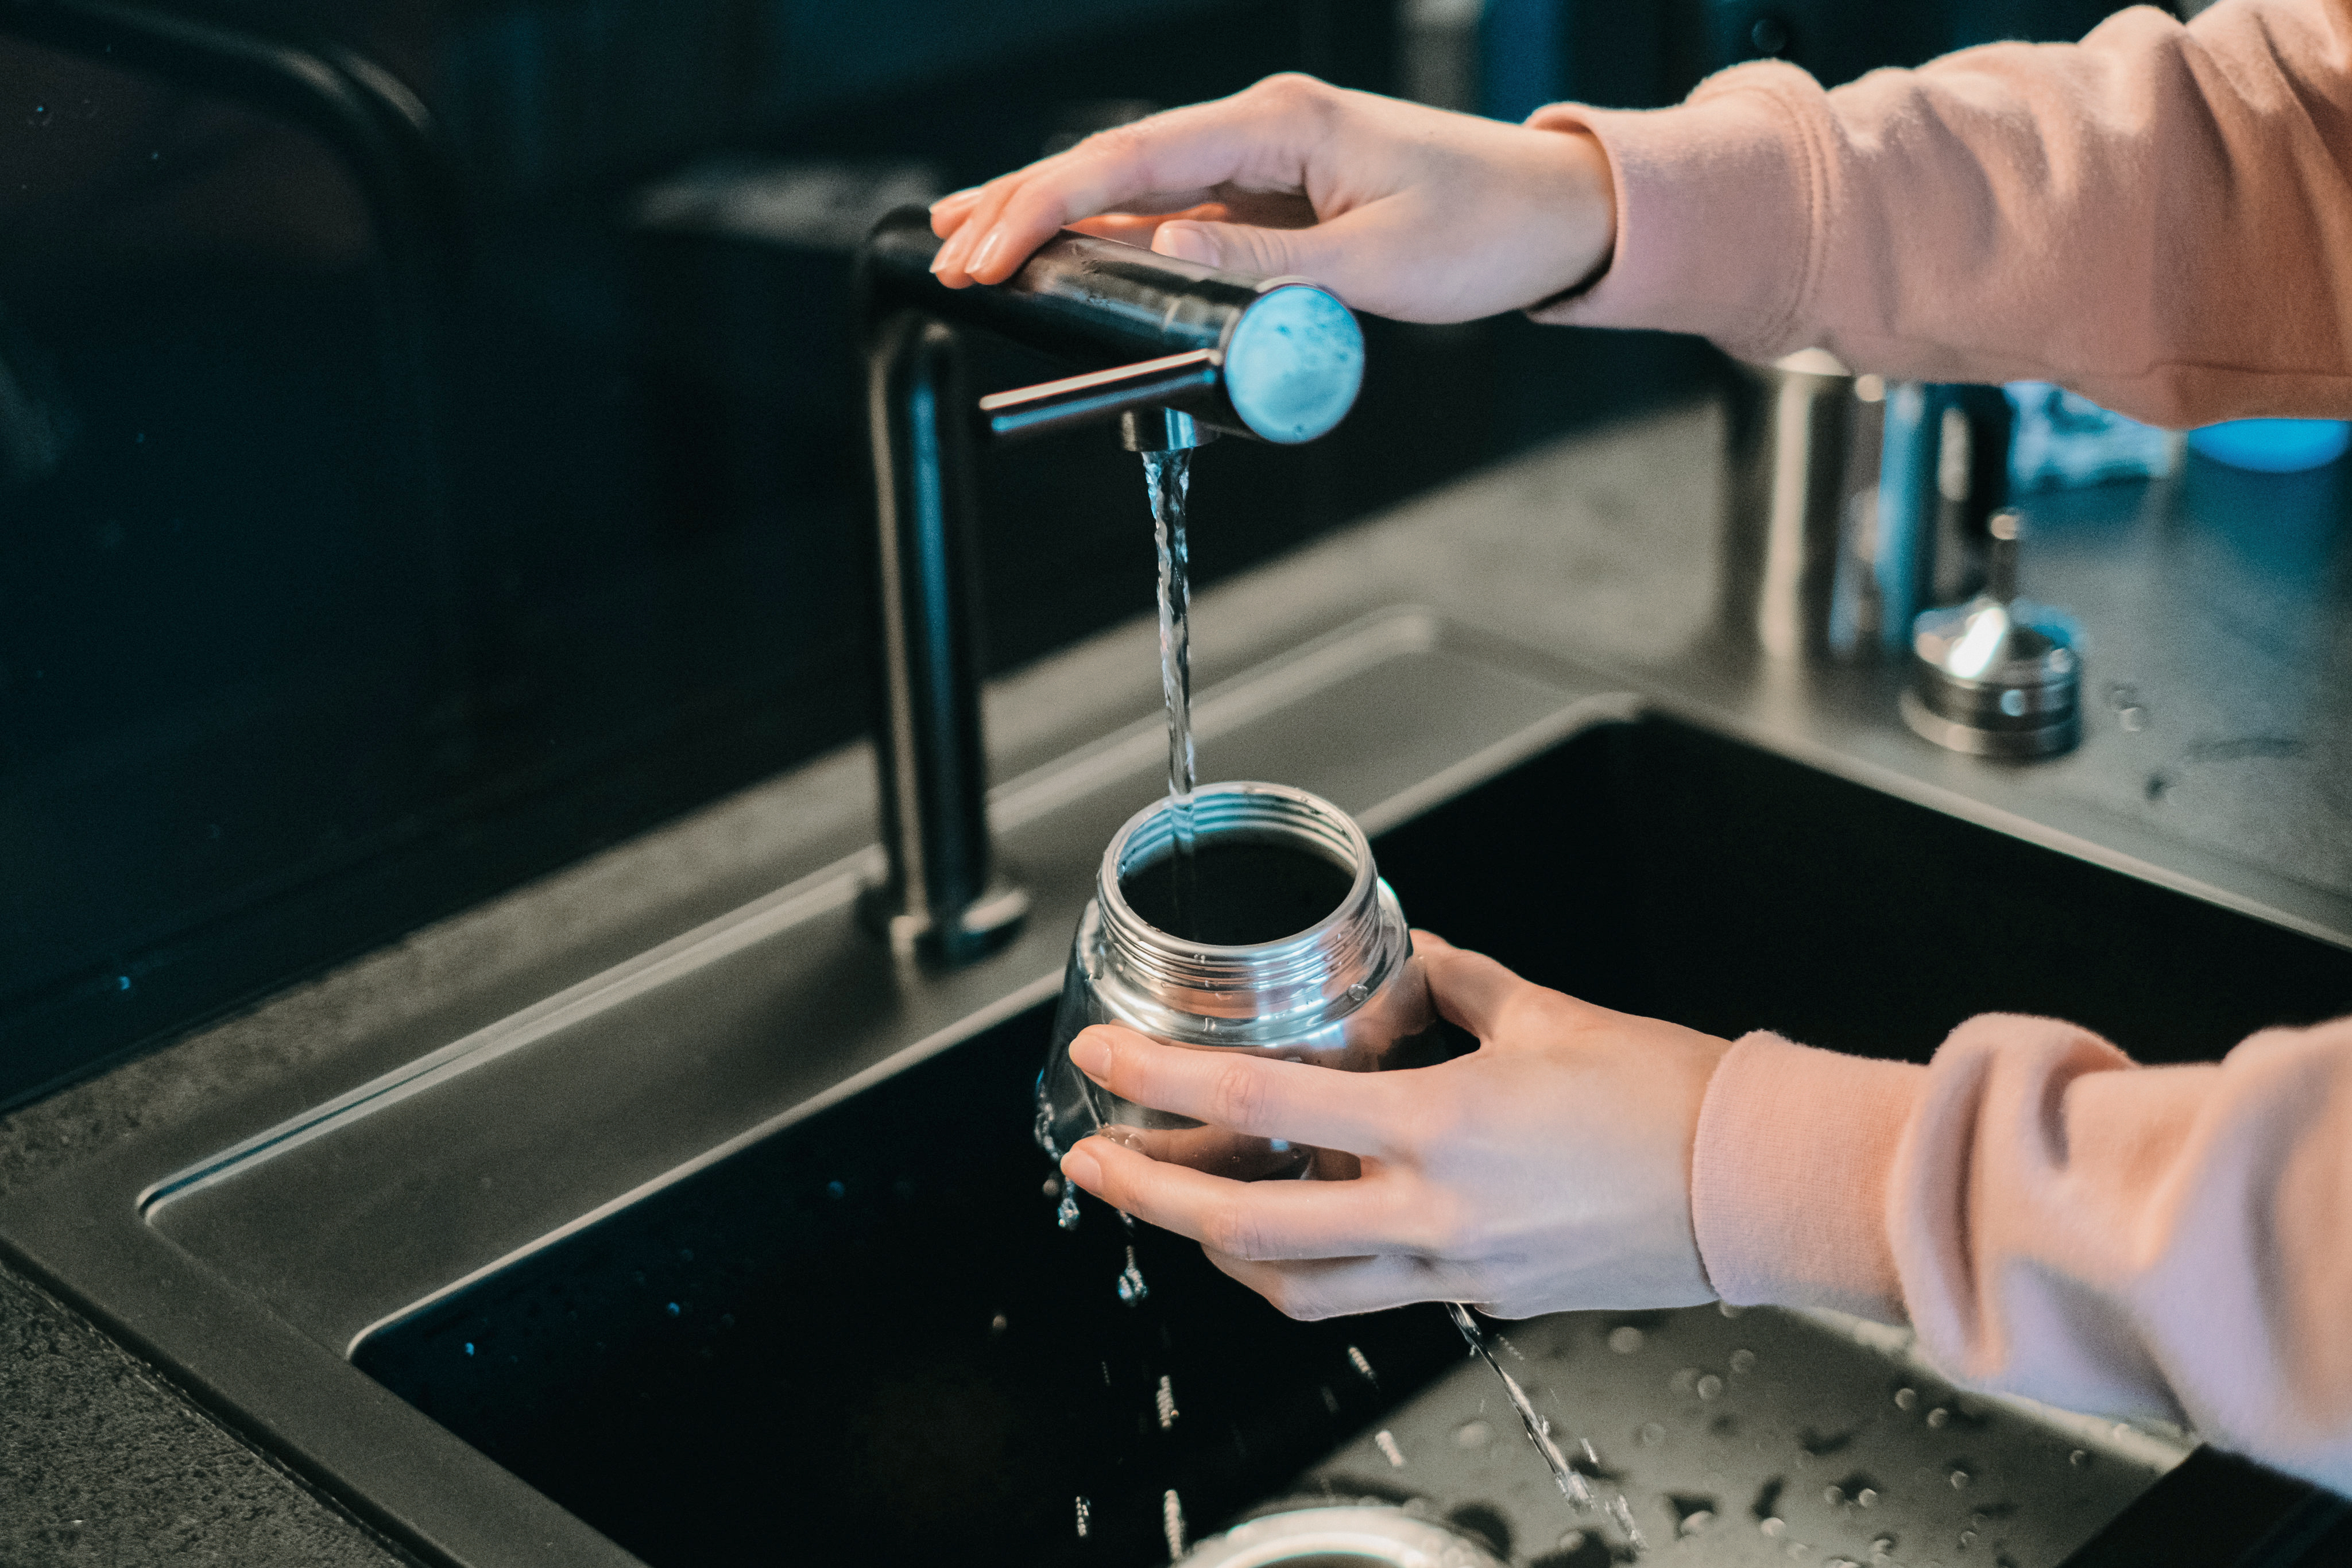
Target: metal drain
x: 1355, y: 1535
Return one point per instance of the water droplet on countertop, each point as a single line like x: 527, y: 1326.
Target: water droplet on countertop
x: 1684, y: 1380
x: 1653, y: 1435
x: 1743, y: 1361
x: 1473, y: 1435
x: 1625, y: 1341
x: 1906, y: 1398
x: 1960, y: 1478
x: 2079, y: 1457
x: 1939, y: 1416
x: 1709, y: 1386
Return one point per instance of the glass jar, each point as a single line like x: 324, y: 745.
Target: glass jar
x: 1342, y: 990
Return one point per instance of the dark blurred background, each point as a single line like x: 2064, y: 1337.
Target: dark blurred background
x: 430, y: 437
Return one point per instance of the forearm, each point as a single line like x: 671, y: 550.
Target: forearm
x: 2160, y: 216
x: 2057, y: 1222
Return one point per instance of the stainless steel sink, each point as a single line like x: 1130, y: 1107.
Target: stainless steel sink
x: 739, y: 1251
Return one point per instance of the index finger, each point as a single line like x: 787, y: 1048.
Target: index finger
x: 1255, y: 1094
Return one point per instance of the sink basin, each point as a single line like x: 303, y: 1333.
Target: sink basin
x: 868, y: 1334
x: 739, y: 1250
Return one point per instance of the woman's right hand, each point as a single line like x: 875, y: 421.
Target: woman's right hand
x: 1418, y: 213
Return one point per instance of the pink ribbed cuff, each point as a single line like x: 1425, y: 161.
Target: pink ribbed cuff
x: 1718, y: 202
x: 1788, y: 1178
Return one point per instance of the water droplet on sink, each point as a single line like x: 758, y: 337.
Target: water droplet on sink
x: 1709, y: 1386
x: 1625, y: 1341
x: 1572, y: 1540
x: 1743, y: 1361
x: 1868, y: 1497
x: 1385, y: 1441
x: 1653, y: 1435
x: 1684, y: 1380
x: 1960, y: 1478
x: 1473, y: 1435
x: 1939, y: 1416
x: 2079, y: 1457
x: 1906, y: 1398
x: 1359, y: 991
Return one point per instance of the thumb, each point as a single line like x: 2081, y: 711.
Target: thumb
x: 1244, y: 247
x: 1470, y: 990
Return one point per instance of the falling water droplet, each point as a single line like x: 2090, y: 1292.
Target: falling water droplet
x: 1086, y: 1514
x: 1067, y: 1214
x: 1363, y: 1367
x: 1385, y: 1441
x: 1171, y: 1519
x: 1131, y: 1287
x: 1165, y: 1400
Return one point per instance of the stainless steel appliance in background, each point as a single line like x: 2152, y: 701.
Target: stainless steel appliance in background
x: 1856, y: 503
x: 1857, y: 507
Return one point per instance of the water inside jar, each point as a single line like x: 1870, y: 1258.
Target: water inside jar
x: 1246, y: 892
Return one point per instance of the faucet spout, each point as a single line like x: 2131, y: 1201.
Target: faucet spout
x: 1173, y: 352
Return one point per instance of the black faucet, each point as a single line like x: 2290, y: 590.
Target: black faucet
x: 1174, y: 354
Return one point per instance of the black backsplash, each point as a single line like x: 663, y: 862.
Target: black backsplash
x: 388, y: 514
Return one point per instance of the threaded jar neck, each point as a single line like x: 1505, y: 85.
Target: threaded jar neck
x: 1263, y: 991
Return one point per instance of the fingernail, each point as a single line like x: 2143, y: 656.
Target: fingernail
x: 968, y: 191
x: 1091, y: 1054
x: 1185, y: 242
x: 1082, y: 1167
x: 980, y: 257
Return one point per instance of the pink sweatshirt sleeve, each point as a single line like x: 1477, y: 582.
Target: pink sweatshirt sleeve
x: 2159, y: 216
x: 2057, y: 1222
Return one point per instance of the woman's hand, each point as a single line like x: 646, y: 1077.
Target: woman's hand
x: 1415, y: 213
x: 1549, y: 1170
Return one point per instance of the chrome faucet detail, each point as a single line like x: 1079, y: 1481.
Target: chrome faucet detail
x: 1175, y: 354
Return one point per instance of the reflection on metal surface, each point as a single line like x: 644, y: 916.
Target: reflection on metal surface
x: 1998, y: 677
x: 1742, y: 1437
x: 1344, y: 991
